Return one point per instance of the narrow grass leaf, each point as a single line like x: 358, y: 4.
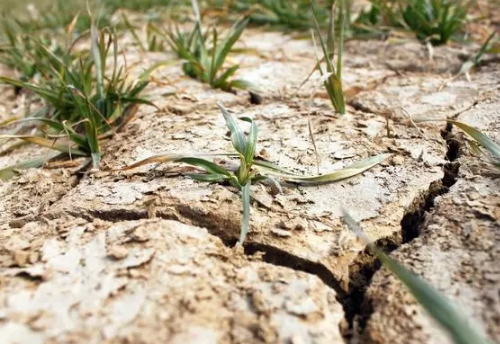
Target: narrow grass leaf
x: 446, y: 314
x: 483, y: 139
x: 347, y: 172
x: 252, y: 143
x: 166, y: 158
x: 41, y: 141
x: 238, y: 139
x: 208, y: 178
x: 245, y: 221
x: 10, y: 171
x: 208, y: 166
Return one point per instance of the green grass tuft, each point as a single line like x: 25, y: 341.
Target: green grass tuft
x: 86, y: 99
x: 434, y: 21
x: 205, y: 53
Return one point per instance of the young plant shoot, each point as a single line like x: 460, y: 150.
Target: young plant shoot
x: 332, y: 76
x: 251, y: 170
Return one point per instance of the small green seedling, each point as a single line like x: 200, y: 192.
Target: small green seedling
x: 252, y: 170
x: 205, y: 55
x: 441, y: 309
x: 85, y: 104
x: 332, y: 76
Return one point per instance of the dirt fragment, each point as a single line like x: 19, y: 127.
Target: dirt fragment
x: 117, y: 252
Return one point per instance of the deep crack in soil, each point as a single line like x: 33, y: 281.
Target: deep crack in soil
x: 357, y: 309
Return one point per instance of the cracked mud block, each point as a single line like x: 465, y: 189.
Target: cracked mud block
x: 408, y: 56
x: 24, y: 198
x: 458, y: 253
x: 485, y: 115
x: 303, y: 222
x: 158, y: 281
x: 427, y: 96
x: 281, y: 63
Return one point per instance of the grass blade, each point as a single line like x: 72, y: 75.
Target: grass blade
x: 208, y: 178
x: 446, y: 314
x: 166, y: 158
x: 237, y: 138
x: 245, y: 220
x: 208, y: 166
x: 10, y: 171
x: 96, y: 54
x: 347, y: 172
x: 41, y: 141
x: 252, y: 142
x: 483, y: 139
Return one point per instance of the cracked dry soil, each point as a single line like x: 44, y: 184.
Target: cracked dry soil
x: 146, y: 256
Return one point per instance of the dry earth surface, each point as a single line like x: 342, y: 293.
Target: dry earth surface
x: 147, y: 255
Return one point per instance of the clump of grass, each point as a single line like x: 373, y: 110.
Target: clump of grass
x: 135, y: 5
x: 84, y: 103
x: 282, y: 13
x: 251, y: 170
x: 205, y: 54
x: 441, y: 309
x: 332, y: 76
x: 56, y: 15
x: 17, y: 51
x: 434, y: 21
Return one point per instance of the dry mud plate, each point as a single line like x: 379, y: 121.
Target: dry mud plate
x: 148, y: 255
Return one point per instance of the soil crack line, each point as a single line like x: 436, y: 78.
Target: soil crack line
x: 358, y: 310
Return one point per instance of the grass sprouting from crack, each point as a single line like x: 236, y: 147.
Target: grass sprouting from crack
x: 441, y: 309
x: 251, y: 170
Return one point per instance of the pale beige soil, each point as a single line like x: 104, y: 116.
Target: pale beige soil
x: 146, y: 256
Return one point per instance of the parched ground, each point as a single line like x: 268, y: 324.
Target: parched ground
x: 147, y: 256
